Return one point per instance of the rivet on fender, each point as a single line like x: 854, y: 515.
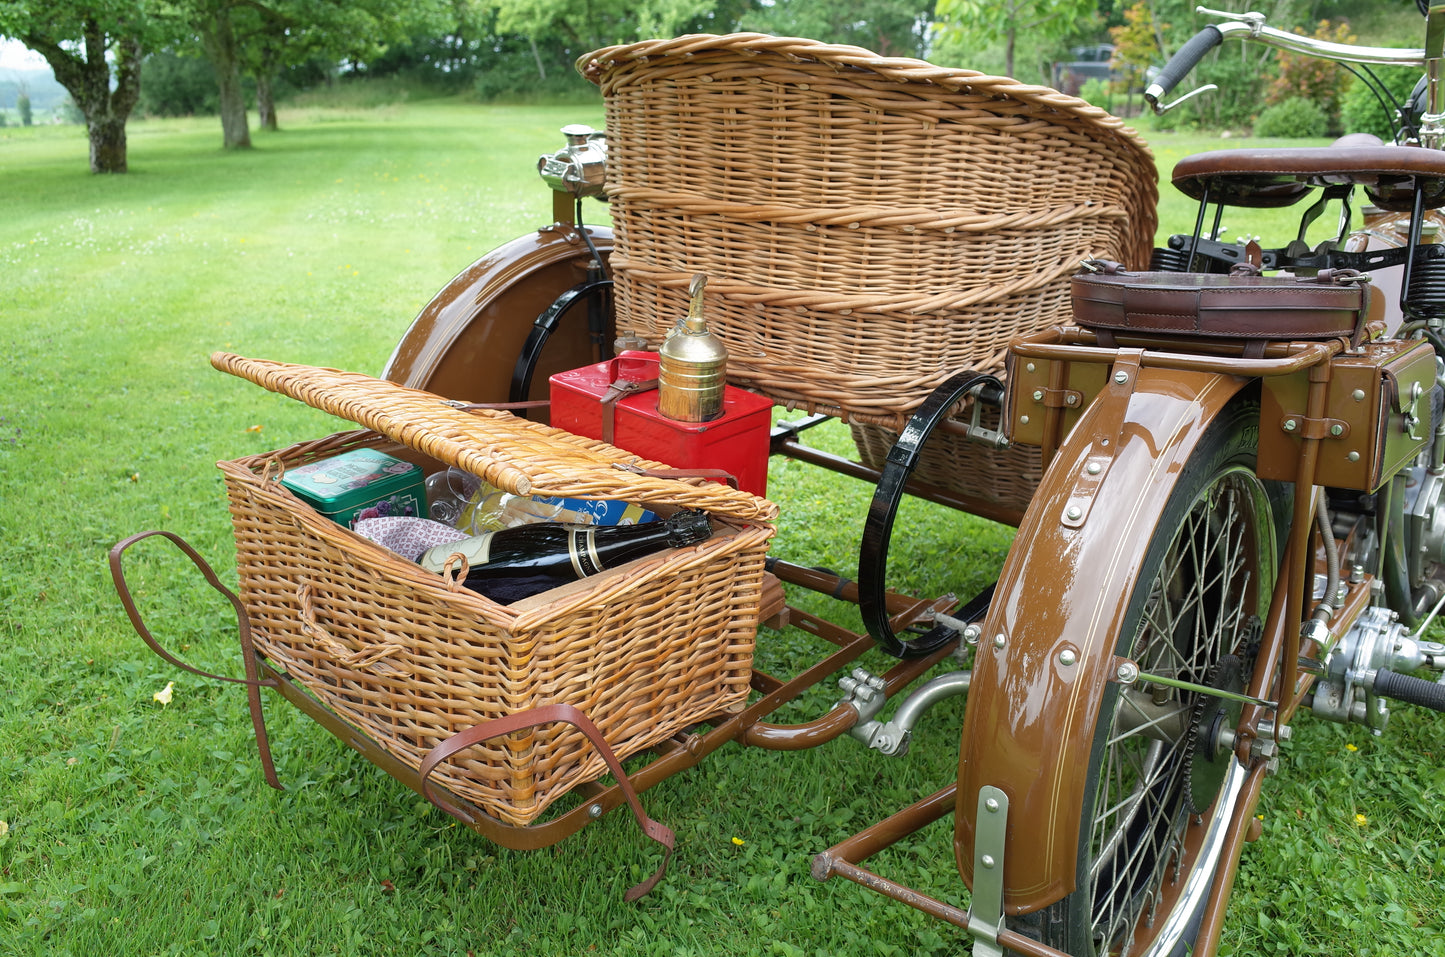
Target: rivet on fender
x: 1086, y: 487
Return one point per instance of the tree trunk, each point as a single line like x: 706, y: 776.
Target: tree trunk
x: 270, y: 44
x: 105, y: 105
x: 235, y: 129
x: 107, y: 145
x: 265, y: 102
x: 219, y: 40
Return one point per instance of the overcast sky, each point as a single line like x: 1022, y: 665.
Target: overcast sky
x: 14, y: 56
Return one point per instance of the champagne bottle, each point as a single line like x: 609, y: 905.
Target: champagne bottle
x: 510, y: 564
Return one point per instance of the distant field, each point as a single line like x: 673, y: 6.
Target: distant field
x: 133, y: 828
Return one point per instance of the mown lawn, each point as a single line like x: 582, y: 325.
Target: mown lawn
x: 132, y: 827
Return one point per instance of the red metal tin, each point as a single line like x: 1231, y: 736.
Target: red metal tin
x: 736, y: 441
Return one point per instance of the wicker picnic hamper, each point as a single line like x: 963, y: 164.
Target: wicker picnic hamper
x: 868, y: 225
x: 410, y: 658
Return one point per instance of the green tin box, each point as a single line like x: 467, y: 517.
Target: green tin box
x: 362, y: 483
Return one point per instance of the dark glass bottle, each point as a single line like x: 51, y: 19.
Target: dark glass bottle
x: 512, y: 563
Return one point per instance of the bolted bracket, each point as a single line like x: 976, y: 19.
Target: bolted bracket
x: 985, y: 915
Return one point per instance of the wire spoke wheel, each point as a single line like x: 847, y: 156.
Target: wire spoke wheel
x: 1163, y: 780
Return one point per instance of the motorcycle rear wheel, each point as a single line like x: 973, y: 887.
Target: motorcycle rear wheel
x: 1147, y: 854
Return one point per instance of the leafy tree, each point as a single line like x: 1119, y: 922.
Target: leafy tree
x: 22, y: 106
x: 1136, y: 45
x: 585, y: 25
x: 95, y: 49
x: 1310, y: 78
x: 990, y: 21
x: 886, y: 27
x: 216, y: 24
x: 177, y: 85
x: 445, y: 47
x: 279, y: 35
x: 262, y: 37
x: 1362, y: 111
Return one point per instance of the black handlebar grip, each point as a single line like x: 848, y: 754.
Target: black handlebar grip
x: 1411, y: 690
x: 1186, y: 59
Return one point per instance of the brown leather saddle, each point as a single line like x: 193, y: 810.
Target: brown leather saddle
x: 1282, y: 177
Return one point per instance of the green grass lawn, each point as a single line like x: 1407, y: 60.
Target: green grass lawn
x: 136, y: 828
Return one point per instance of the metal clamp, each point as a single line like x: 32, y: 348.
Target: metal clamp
x: 985, y: 914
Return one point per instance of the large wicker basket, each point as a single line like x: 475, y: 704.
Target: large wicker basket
x: 410, y: 659
x: 1002, y: 481
x: 868, y: 226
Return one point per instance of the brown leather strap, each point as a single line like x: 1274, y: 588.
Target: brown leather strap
x: 618, y: 390
x: 532, y: 718
x: 721, y: 475
x: 253, y: 683
x: 499, y: 406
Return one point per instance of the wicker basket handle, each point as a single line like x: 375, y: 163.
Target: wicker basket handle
x: 337, y: 649
x: 253, y: 683
x: 536, y: 717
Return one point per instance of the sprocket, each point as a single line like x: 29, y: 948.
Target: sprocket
x: 1208, y: 751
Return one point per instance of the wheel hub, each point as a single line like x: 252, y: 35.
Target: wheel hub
x: 1210, y: 741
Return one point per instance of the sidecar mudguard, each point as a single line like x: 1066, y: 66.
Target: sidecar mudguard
x: 464, y: 344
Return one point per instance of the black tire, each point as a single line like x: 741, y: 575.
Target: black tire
x: 1194, y: 616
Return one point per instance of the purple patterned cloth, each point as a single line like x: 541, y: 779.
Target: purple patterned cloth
x: 407, y: 536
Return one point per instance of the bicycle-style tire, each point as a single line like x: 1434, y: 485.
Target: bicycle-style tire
x: 1212, y: 563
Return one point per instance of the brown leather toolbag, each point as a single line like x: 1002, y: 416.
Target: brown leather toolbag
x: 1334, y: 304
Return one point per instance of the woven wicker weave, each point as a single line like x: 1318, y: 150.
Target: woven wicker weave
x: 868, y: 226
x: 1006, y: 478
x: 409, y: 658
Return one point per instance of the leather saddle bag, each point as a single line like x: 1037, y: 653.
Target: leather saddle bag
x: 1334, y: 304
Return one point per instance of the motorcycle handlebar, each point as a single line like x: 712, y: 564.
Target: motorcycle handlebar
x: 1251, y: 27
x: 1183, y: 61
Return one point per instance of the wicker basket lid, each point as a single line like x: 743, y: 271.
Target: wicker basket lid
x: 514, y: 454
x: 598, y: 65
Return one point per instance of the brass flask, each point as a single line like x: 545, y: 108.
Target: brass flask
x: 692, y: 366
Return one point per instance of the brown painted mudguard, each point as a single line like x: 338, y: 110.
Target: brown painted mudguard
x: 464, y: 344
x: 1030, y: 721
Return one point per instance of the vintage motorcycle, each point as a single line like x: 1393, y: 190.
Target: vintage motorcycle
x: 1227, y: 485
